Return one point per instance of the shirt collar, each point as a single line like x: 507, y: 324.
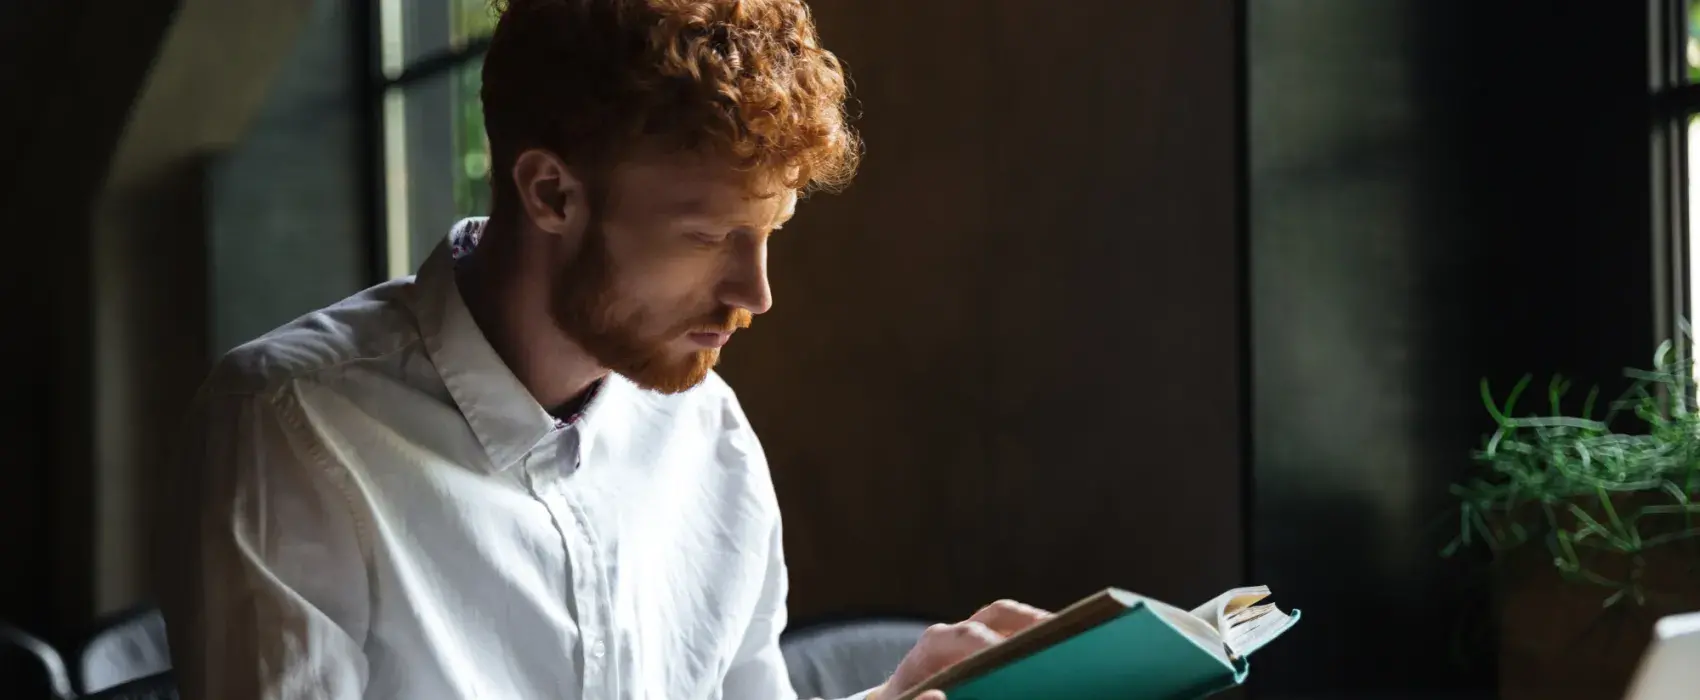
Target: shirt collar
x: 506, y: 419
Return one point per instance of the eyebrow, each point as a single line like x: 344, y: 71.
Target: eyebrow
x: 694, y: 206
x: 698, y: 207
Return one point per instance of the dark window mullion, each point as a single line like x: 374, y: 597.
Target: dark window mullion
x: 1674, y: 99
x: 368, y: 41
x: 1668, y: 63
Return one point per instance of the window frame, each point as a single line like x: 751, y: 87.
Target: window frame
x: 389, y: 77
x: 1675, y: 101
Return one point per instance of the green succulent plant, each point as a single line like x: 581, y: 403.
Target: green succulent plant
x: 1600, y: 501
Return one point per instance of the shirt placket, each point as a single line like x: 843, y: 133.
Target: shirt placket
x: 589, y: 600
x: 591, y: 590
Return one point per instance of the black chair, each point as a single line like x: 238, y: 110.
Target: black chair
x: 122, y: 648
x: 156, y: 687
x: 837, y: 659
x: 30, y: 668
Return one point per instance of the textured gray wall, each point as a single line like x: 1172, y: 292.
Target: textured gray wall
x: 287, y: 229
x: 149, y: 288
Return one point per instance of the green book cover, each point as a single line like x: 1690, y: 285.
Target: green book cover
x: 1120, y: 646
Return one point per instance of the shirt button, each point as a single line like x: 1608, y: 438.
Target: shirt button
x: 598, y: 650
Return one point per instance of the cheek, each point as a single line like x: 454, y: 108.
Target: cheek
x: 660, y: 301
x: 686, y: 282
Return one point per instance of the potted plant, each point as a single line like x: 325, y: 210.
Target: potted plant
x: 1593, y: 524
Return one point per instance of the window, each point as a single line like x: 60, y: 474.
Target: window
x: 435, y: 161
x: 1687, y: 121
x: 1675, y: 84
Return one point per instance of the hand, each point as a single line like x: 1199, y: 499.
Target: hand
x: 941, y: 646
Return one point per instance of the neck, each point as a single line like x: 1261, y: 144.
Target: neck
x: 506, y: 286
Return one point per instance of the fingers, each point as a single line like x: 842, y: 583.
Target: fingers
x: 947, y: 644
x: 1007, y: 617
x: 944, y: 645
x: 941, y: 646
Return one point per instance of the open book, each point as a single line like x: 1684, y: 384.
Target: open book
x: 1116, y: 645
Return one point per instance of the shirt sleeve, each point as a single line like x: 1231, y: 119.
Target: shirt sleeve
x: 280, y: 604
x: 758, y: 670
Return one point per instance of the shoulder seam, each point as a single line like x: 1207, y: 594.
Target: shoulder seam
x: 271, y: 386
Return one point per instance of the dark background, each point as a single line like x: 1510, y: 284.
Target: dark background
x: 1173, y: 295
x: 1439, y: 192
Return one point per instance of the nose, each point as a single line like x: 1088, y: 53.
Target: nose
x: 745, y: 285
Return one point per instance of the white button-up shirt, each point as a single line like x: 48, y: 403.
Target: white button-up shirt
x: 385, y: 512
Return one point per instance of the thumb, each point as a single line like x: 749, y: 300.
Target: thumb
x: 931, y: 695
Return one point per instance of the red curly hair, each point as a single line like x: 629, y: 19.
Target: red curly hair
x: 744, y: 79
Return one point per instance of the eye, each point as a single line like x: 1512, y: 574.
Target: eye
x: 707, y: 238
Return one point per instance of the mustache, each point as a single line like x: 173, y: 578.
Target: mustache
x: 723, y: 321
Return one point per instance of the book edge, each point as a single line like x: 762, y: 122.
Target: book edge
x: 970, y: 668
x: 1221, y: 656
x: 1224, y: 675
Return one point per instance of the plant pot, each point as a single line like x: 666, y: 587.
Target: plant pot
x: 1558, y: 641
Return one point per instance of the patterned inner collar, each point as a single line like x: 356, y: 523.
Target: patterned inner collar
x: 464, y: 238
x: 578, y: 405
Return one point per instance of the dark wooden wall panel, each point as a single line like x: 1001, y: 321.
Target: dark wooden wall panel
x: 1006, y: 361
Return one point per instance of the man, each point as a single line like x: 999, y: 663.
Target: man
x: 515, y: 475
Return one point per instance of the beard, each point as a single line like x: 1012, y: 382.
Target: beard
x: 588, y: 308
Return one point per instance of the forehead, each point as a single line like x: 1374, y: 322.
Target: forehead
x: 677, y: 185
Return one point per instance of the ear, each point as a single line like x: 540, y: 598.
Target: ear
x: 551, y: 196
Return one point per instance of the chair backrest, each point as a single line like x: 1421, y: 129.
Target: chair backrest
x: 30, y: 668
x: 838, y: 659
x: 124, y: 647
